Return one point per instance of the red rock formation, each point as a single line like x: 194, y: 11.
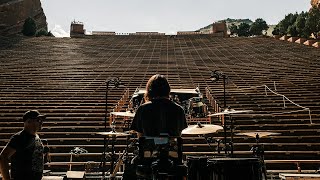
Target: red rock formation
x: 14, y: 12
x: 315, y: 3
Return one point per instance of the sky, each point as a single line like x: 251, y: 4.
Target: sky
x: 167, y: 16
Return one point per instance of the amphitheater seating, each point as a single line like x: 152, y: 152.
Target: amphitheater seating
x: 66, y: 80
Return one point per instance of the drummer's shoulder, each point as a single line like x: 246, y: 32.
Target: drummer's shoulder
x: 146, y: 103
x: 178, y: 106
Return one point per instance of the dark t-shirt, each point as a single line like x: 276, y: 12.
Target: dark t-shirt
x: 27, y: 162
x: 159, y: 116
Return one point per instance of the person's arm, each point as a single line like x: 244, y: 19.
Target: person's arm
x: 6, y: 153
x: 136, y: 123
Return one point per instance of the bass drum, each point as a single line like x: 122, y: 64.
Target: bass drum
x: 197, y: 167
x: 234, y: 169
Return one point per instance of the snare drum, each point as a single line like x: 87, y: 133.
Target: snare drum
x: 234, y: 169
x: 197, y: 167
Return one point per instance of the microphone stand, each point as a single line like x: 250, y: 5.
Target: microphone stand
x: 215, y: 76
x: 231, y: 132
x: 104, y: 158
x: 116, y: 82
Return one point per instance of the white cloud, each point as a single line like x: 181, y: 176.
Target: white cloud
x: 57, y: 31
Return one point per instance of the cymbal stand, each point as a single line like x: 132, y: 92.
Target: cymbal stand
x: 102, y: 165
x: 218, y: 146
x: 231, y: 132
x: 215, y: 76
x: 123, y: 158
x: 112, y: 157
x: 209, y: 140
x: 225, y: 136
x: 112, y: 154
x: 258, y: 151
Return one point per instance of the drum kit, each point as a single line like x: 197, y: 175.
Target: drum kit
x: 196, y: 107
x: 216, y: 167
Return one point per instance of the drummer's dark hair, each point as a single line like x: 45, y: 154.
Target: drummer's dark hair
x: 157, y: 87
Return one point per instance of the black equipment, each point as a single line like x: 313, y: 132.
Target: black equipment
x: 197, y: 167
x: 234, y: 168
x: 160, y: 158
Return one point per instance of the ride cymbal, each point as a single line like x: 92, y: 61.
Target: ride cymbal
x: 201, y: 129
x: 230, y: 111
x: 260, y: 134
x: 125, y: 114
x: 111, y: 133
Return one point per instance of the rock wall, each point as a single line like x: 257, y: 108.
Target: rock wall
x: 14, y: 12
x: 315, y: 3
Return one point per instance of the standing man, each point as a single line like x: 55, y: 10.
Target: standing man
x: 25, y: 150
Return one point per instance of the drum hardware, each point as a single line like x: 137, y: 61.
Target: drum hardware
x: 113, y: 134
x: 234, y: 168
x: 118, y: 164
x: 196, y: 107
x: 210, y: 140
x: 156, y: 160
x: 218, y: 146
x: 229, y: 112
x: 197, y: 167
x: 258, y: 149
x: 114, y: 82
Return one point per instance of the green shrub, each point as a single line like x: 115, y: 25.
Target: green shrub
x: 41, y: 32
x: 50, y: 34
x: 29, y: 27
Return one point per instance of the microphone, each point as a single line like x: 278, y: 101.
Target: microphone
x: 116, y: 82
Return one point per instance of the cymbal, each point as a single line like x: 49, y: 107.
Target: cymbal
x: 125, y: 114
x: 261, y: 134
x: 201, y: 129
x: 111, y: 133
x: 230, y: 111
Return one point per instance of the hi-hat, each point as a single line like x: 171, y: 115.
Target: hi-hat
x: 259, y: 133
x: 112, y: 133
x: 126, y: 114
x: 201, y: 129
x: 230, y: 111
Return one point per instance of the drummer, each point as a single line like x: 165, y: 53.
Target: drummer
x: 158, y: 114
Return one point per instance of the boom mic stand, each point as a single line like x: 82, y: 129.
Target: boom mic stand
x: 116, y: 83
x: 215, y: 76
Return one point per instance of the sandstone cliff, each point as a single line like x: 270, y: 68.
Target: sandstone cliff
x: 315, y: 3
x: 14, y: 12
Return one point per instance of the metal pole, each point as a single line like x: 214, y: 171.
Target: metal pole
x: 224, y: 92
x: 224, y: 108
x: 105, y: 130
x: 106, y: 108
